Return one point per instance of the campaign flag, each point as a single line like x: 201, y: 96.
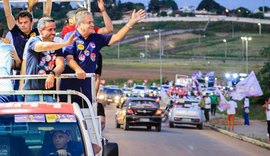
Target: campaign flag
x: 247, y: 88
x: 210, y: 74
x: 223, y: 103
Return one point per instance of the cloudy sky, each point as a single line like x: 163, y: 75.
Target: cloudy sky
x: 231, y: 4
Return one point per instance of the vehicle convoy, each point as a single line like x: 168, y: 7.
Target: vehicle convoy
x: 186, y: 111
x: 27, y: 128
x: 137, y: 111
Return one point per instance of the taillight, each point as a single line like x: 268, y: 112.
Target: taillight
x: 129, y: 111
x: 158, y: 112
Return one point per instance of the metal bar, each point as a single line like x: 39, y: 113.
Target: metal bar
x: 65, y: 76
x: 19, y: 1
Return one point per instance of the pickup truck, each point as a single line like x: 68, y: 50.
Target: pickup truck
x: 27, y: 128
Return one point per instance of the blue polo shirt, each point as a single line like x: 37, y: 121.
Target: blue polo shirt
x: 20, y: 39
x: 40, y: 63
x: 85, y: 53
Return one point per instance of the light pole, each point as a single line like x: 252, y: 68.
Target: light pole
x: 243, y: 47
x: 118, y: 50
x: 246, y: 39
x: 225, y: 52
x: 160, y: 55
x: 260, y: 28
x: 146, y: 38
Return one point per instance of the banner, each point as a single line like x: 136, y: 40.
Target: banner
x: 247, y: 88
x: 223, y: 103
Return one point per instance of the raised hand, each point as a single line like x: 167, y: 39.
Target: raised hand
x: 137, y: 16
x: 71, y: 39
x: 101, y: 5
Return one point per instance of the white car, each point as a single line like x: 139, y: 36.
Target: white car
x: 139, y: 90
x: 186, y: 111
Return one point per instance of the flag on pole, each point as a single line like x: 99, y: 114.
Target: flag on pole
x: 247, y: 88
x: 223, y: 103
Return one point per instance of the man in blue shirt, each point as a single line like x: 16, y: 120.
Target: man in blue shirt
x: 43, y: 56
x: 82, y: 56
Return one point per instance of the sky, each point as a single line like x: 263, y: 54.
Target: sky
x: 230, y: 4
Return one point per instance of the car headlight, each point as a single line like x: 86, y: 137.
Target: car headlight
x: 117, y: 97
x: 101, y: 96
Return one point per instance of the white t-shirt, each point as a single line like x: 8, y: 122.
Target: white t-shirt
x: 9, y: 37
x: 207, y: 102
x: 6, y: 66
x: 232, y: 106
x: 268, y: 113
x: 246, y: 102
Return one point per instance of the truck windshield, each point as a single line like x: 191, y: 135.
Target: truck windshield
x: 39, y: 135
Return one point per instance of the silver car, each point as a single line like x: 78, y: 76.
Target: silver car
x: 186, y: 111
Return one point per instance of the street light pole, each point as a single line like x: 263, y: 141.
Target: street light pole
x: 260, y: 28
x: 146, y: 48
x: 246, y: 39
x: 225, y: 52
x: 160, y: 57
x: 118, y: 50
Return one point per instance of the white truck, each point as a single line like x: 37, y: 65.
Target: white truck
x: 26, y: 128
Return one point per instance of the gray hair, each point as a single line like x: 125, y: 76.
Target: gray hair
x: 42, y: 22
x: 79, y: 16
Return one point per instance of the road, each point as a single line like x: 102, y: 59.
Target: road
x: 186, y: 141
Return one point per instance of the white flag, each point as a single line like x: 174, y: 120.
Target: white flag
x: 248, y: 87
x: 223, y: 103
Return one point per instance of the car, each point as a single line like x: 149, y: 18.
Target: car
x: 186, y: 111
x: 114, y: 95
x: 127, y: 91
x: 136, y: 111
x: 153, y: 90
x: 140, y: 90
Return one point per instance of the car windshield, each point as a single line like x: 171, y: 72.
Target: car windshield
x: 33, y: 134
x: 143, y: 103
x: 186, y: 104
x: 140, y: 87
x: 153, y: 88
x: 114, y: 91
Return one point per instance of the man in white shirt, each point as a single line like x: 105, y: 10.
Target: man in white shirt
x: 6, y: 62
x: 207, y: 107
x: 231, y: 114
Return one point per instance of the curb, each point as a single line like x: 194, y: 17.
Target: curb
x: 239, y: 136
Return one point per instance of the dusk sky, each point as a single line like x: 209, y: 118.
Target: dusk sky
x: 231, y: 4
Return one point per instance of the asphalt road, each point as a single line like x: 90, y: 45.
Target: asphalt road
x: 183, y: 140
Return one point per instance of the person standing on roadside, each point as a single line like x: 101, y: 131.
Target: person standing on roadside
x: 214, y: 102
x: 231, y: 114
x: 266, y: 106
x: 207, y: 107
x: 246, y: 110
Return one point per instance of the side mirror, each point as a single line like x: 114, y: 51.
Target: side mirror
x: 110, y: 149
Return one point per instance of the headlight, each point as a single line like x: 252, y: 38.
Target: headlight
x: 101, y: 96
x: 117, y: 97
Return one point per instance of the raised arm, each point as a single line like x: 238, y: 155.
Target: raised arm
x: 48, y: 8
x: 31, y: 4
x: 107, y: 20
x: 135, y: 17
x: 48, y: 46
x: 9, y: 17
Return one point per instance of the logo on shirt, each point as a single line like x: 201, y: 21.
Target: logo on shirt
x: 86, y: 52
x: 33, y: 34
x: 92, y: 44
x: 93, y: 56
x: 80, y: 47
x: 82, y: 57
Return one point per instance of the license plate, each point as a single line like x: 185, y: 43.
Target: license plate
x: 186, y: 120
x: 144, y: 120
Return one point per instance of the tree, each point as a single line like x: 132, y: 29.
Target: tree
x: 154, y: 6
x: 242, y: 12
x: 211, y: 6
x: 169, y: 4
